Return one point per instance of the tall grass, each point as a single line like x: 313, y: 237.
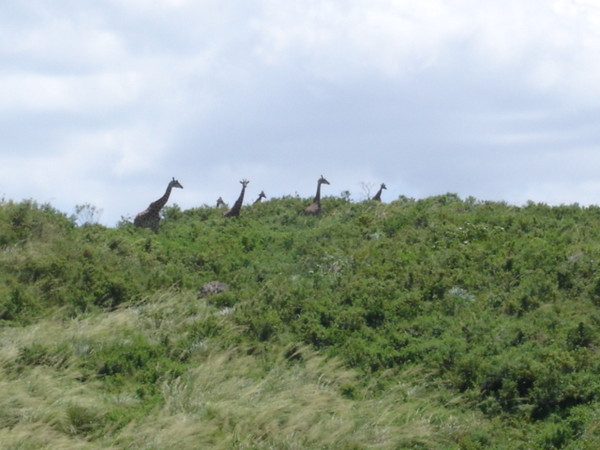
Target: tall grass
x: 235, y: 401
x: 287, y: 397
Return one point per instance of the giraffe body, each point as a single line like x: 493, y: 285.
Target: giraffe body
x: 237, y: 206
x: 314, y: 209
x: 377, y: 196
x: 150, y: 217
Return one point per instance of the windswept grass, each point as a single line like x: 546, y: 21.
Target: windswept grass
x: 288, y: 397
x: 235, y: 401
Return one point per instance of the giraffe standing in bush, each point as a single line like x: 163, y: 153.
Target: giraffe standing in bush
x: 314, y: 208
x: 260, y: 197
x: 377, y: 196
x: 150, y: 217
x: 237, y: 206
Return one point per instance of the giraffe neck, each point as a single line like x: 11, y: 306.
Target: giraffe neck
x: 240, y: 200
x: 158, y: 204
x: 378, y: 195
x: 317, y: 198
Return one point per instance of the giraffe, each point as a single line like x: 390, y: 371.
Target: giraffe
x: 235, y: 210
x: 315, y: 207
x: 377, y: 196
x: 260, y: 197
x: 220, y: 202
x: 150, y: 217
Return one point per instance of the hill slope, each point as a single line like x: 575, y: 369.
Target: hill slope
x: 433, y: 323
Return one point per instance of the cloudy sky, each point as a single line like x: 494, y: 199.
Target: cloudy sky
x: 103, y: 102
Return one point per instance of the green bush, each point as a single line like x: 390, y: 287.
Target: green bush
x: 495, y: 302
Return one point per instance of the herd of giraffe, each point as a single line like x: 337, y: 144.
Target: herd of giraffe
x: 150, y: 217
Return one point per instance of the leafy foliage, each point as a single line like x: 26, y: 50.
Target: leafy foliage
x: 498, y: 305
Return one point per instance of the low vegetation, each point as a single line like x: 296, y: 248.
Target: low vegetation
x: 433, y: 323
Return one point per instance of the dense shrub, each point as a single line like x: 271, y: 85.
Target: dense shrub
x: 497, y: 302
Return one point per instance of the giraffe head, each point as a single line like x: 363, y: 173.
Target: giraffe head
x: 322, y: 180
x: 260, y: 197
x: 383, y: 186
x: 244, y: 182
x: 175, y: 184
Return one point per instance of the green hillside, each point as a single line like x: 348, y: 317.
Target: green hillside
x: 434, y: 323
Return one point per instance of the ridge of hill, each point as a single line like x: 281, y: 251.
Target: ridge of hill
x: 433, y: 323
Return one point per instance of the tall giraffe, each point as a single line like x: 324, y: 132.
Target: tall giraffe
x: 150, y: 217
x: 314, y: 208
x: 237, y: 206
x: 260, y: 197
x: 377, y: 196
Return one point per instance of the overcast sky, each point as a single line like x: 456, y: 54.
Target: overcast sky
x: 103, y: 102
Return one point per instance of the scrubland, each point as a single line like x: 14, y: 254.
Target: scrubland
x: 433, y: 323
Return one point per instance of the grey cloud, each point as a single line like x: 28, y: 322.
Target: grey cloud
x: 220, y: 93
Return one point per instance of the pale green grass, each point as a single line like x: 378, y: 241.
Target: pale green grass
x: 44, y: 408
x: 230, y: 401
x: 226, y: 399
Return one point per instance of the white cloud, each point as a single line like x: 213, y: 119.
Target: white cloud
x: 338, y: 40
x: 121, y: 152
x: 550, y: 45
x: 67, y: 93
x: 46, y: 37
